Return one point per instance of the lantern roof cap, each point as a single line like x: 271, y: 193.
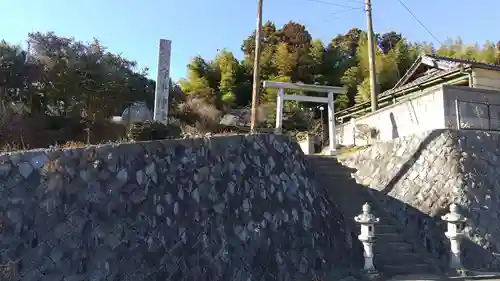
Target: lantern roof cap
x: 454, y: 216
x: 366, y: 217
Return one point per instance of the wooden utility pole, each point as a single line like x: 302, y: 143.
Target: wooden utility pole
x: 256, y: 69
x: 371, y: 56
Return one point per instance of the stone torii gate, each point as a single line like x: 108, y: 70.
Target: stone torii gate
x: 281, y: 86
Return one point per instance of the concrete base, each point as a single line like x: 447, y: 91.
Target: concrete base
x: 327, y: 151
x: 458, y: 273
x: 330, y: 152
x: 307, y: 145
x: 372, y: 275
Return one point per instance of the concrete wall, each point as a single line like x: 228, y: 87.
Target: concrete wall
x: 486, y: 79
x: 435, y: 108
x: 413, y: 114
x: 472, y: 115
x: 416, y: 178
x: 225, y: 208
x: 307, y: 145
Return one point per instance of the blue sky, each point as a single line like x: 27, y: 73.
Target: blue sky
x: 133, y: 28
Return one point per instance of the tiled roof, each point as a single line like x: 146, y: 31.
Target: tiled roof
x: 465, y: 63
x: 437, y: 66
x: 428, y: 76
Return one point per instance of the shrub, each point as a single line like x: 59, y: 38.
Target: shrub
x: 198, y: 113
x: 152, y: 130
x: 71, y: 144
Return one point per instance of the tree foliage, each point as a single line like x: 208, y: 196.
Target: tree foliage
x: 64, y: 77
x: 291, y: 54
x: 59, y: 76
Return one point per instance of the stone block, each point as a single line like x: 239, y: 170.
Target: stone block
x: 167, y: 209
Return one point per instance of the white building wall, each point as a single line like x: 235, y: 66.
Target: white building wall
x: 416, y: 113
x: 486, y: 79
x: 433, y: 108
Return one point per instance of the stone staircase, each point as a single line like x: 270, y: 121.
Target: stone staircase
x: 394, y: 254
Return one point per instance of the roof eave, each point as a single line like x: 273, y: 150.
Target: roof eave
x: 439, y: 77
x: 395, y: 91
x: 410, y: 72
x: 487, y: 67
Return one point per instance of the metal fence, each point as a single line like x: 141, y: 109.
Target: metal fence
x: 473, y: 115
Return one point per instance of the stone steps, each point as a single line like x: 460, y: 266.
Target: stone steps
x: 326, y: 170
x: 394, y: 255
x: 321, y: 172
x: 388, y: 236
x: 408, y: 268
x: 394, y: 247
x: 401, y: 258
x: 384, y: 227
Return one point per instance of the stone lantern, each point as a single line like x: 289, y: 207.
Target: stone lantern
x: 456, y: 223
x: 367, y: 221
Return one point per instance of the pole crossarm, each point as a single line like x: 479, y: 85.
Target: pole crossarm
x: 304, y: 87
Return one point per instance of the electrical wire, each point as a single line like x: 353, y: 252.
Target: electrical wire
x: 337, y: 14
x: 346, y: 10
x: 332, y: 4
x: 421, y: 23
x: 362, y: 2
x: 358, y: 1
x: 346, y: 7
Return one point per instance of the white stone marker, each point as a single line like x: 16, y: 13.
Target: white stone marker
x: 160, y: 112
x: 455, y: 234
x: 367, y: 221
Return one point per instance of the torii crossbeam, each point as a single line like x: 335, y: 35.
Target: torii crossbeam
x: 281, y: 86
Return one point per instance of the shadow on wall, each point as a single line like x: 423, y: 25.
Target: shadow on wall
x: 395, y: 133
x: 430, y: 229
x: 434, y: 188
x: 428, y: 232
x: 360, y: 194
x: 411, y: 161
x: 346, y: 196
x: 423, y: 231
x: 344, y: 200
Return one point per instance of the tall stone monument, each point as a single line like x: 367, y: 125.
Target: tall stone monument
x: 162, y: 81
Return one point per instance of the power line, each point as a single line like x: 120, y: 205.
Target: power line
x: 351, y: 1
x: 358, y: 1
x: 333, y: 4
x: 346, y: 10
x: 421, y: 23
x: 337, y: 14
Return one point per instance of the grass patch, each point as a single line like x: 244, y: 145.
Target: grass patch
x: 343, y: 150
x: 346, y: 150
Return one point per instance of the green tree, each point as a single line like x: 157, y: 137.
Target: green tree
x: 284, y: 60
x: 228, y: 66
x: 388, y: 41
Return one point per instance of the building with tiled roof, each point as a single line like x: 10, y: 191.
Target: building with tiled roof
x: 427, y: 97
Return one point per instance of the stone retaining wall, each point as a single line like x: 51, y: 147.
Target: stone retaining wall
x: 423, y: 174
x: 225, y: 208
